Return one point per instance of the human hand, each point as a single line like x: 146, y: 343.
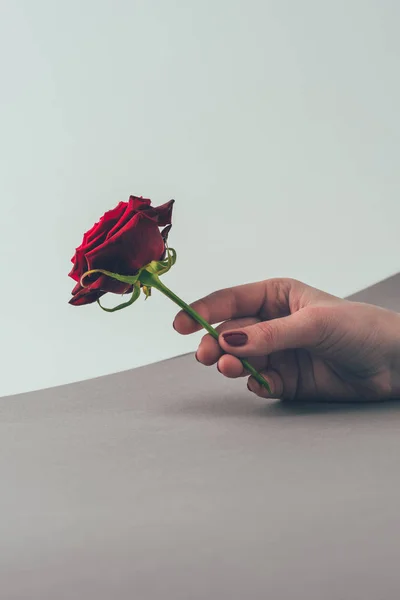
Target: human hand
x: 307, y: 344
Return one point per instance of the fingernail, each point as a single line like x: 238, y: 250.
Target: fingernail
x: 196, y: 357
x: 218, y: 369
x: 235, y: 338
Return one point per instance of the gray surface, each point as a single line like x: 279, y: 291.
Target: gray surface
x: 385, y: 293
x: 170, y: 482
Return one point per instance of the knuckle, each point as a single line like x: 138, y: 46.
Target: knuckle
x: 278, y: 292
x: 265, y: 334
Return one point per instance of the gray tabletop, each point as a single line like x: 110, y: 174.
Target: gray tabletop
x: 170, y: 482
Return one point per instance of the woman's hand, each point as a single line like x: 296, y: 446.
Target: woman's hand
x: 308, y: 344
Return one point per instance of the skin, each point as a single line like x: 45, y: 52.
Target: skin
x: 308, y: 344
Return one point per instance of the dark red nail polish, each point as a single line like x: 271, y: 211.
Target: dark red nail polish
x: 235, y: 338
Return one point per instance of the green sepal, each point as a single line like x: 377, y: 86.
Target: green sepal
x: 159, y: 267
x: 132, y: 299
x: 131, y: 279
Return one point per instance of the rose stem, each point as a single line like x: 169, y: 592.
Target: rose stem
x: 154, y: 281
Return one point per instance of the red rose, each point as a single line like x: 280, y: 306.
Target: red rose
x: 124, y: 240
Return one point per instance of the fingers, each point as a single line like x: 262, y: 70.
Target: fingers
x: 283, y: 376
x: 209, y: 350
x: 231, y: 367
x: 275, y: 382
x: 229, y: 303
x: 306, y: 328
x: 281, y: 370
x: 270, y: 297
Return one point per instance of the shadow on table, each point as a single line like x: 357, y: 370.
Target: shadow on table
x: 282, y: 409
x: 244, y: 407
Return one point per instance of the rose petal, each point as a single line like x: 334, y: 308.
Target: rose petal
x: 80, y: 265
x: 86, y: 296
x: 138, y: 204
x: 108, y: 284
x: 102, y: 285
x: 107, y: 221
x: 132, y: 247
x: 124, y: 218
x: 162, y: 215
x: 95, y: 235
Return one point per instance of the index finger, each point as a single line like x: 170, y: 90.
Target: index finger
x: 229, y: 303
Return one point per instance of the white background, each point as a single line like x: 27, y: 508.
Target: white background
x: 274, y: 125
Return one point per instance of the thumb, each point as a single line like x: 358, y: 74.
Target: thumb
x: 305, y: 328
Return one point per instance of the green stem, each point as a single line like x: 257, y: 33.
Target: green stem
x: 152, y: 280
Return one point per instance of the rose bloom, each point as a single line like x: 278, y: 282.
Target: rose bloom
x: 125, y: 239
